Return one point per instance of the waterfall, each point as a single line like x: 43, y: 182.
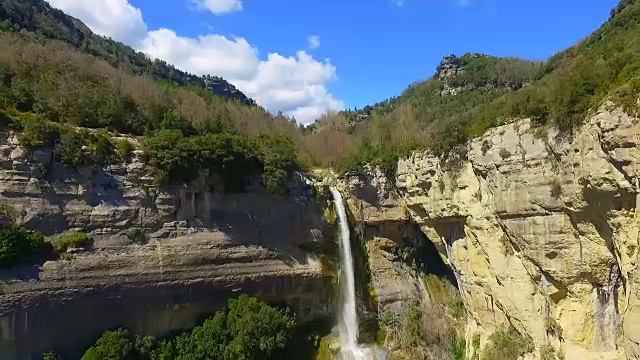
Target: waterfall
x: 348, y: 319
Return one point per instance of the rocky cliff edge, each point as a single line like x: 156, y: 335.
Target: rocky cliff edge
x: 161, y: 259
x: 539, y: 227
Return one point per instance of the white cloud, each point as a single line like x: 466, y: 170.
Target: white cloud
x: 113, y: 18
x: 295, y: 85
x: 209, y: 54
x: 219, y: 7
x: 314, y: 41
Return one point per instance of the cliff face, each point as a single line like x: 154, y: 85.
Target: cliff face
x: 160, y: 260
x: 540, y: 229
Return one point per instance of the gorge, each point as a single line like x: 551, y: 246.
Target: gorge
x: 489, y: 212
x: 557, y: 266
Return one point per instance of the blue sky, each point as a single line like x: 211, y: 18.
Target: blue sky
x: 376, y: 47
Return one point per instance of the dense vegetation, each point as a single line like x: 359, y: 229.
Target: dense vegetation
x: 38, y: 17
x: 562, y: 91
x: 247, y: 329
x: 183, y: 131
x: 57, y: 71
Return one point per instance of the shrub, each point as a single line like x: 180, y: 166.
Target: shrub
x: 69, y: 240
x: 505, y: 245
x: 507, y: 344
x: 556, y: 189
x: 17, y: 244
x: 50, y: 355
x: 120, y: 345
x: 8, y: 212
x: 174, y: 158
x: 123, y: 148
x: 248, y: 329
x: 540, y: 132
x: 475, y: 343
x: 552, y: 327
x: 79, y: 148
x: 135, y: 234
x: 505, y: 154
x: 38, y: 132
x: 486, y: 146
x: 547, y: 352
x: 279, y: 160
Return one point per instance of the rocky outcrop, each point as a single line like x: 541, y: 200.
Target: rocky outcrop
x: 540, y: 229
x: 161, y: 258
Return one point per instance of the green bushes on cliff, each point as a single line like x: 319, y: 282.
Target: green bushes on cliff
x: 68, y: 240
x: 18, y: 244
x: 173, y: 157
x: 74, y: 147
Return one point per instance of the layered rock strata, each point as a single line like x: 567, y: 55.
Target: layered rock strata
x: 160, y: 260
x: 540, y: 228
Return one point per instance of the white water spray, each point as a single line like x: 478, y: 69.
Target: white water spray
x: 348, y: 320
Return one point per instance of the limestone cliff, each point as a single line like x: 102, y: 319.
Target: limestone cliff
x: 539, y: 227
x: 161, y: 258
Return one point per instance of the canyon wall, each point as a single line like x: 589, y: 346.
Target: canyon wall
x: 160, y: 260
x: 539, y: 227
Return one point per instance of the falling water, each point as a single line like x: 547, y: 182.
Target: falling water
x: 348, y: 320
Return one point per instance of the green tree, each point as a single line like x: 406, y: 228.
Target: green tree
x: 120, y: 345
x: 17, y: 244
x: 248, y: 329
x: 279, y: 159
x: 257, y: 331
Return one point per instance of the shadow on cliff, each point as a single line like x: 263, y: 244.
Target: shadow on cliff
x: 61, y: 187
x: 278, y: 223
x: 31, y: 268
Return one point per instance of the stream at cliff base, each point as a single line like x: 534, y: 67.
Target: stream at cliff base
x: 348, y: 316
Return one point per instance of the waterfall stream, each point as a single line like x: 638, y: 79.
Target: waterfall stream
x: 348, y: 318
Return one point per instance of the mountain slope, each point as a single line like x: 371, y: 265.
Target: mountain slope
x: 39, y: 17
x: 470, y: 94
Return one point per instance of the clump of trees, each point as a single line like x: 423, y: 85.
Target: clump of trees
x: 247, y: 329
x: 561, y: 91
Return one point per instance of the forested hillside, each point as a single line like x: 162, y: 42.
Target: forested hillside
x: 56, y: 74
x: 472, y: 93
x: 37, y: 16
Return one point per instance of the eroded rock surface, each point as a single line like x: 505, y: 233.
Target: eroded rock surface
x: 161, y: 258
x: 540, y: 228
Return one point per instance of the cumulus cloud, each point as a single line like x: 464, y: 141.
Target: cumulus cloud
x: 295, y: 85
x: 314, y: 41
x: 116, y: 19
x: 219, y: 7
x: 209, y: 54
